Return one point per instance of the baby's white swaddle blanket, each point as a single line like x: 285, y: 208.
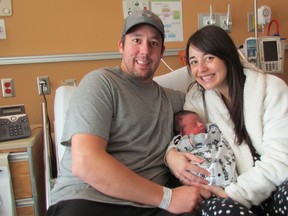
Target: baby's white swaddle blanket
x: 218, y: 155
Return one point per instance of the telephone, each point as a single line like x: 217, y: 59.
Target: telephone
x: 14, y: 123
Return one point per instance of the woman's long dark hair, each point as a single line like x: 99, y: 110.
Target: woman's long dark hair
x: 214, y: 40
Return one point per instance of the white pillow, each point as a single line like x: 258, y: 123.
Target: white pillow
x: 179, y: 79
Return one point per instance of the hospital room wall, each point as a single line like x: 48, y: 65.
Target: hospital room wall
x: 64, y: 27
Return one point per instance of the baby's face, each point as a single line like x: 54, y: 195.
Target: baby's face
x: 193, y: 124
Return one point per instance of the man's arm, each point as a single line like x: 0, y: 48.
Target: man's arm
x: 94, y: 165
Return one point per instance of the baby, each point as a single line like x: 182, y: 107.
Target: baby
x: 205, y: 141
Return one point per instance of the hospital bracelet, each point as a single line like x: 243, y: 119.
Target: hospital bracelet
x: 166, y: 198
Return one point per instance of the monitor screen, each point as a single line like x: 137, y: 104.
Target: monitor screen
x: 270, y: 51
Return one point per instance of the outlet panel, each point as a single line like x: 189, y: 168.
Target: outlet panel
x: 218, y: 18
x: 204, y: 20
x: 7, y: 87
x: 43, y: 84
x: 222, y: 22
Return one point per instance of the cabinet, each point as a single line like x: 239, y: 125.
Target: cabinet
x: 26, y: 164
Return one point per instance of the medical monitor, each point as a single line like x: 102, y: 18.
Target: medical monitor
x: 270, y: 54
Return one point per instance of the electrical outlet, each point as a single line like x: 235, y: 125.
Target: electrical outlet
x: 7, y: 87
x: 43, y: 85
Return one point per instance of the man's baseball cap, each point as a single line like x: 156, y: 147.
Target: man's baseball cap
x: 143, y: 17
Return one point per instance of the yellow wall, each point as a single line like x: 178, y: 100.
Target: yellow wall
x: 68, y: 27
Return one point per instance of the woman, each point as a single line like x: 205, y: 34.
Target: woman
x: 251, y: 110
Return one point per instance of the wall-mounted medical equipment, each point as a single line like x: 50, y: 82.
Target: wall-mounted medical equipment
x: 270, y: 54
x: 223, y: 20
x: 211, y: 20
x: 228, y: 21
x: 5, y: 7
x: 2, y: 30
x: 250, y: 50
x: 266, y: 52
x: 130, y: 6
x: 264, y: 15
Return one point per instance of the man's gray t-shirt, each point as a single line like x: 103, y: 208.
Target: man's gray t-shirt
x: 135, y: 118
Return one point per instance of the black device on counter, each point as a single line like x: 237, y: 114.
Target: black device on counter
x: 14, y: 123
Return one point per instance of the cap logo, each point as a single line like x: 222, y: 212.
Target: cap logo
x: 147, y: 15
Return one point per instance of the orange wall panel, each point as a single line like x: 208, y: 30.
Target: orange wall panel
x: 67, y: 27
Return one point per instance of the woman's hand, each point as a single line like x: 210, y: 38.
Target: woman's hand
x: 182, y: 165
x: 216, y: 190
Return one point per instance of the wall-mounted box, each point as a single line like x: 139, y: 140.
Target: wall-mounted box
x: 218, y: 19
x: 130, y: 6
x: 6, y: 8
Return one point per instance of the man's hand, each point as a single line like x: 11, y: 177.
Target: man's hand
x: 185, y: 199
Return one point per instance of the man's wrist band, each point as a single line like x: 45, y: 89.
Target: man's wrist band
x: 166, y: 198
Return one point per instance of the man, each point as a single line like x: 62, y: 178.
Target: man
x: 117, y: 130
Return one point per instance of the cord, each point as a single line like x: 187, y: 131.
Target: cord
x: 277, y: 26
x: 167, y: 65
x: 52, y: 149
